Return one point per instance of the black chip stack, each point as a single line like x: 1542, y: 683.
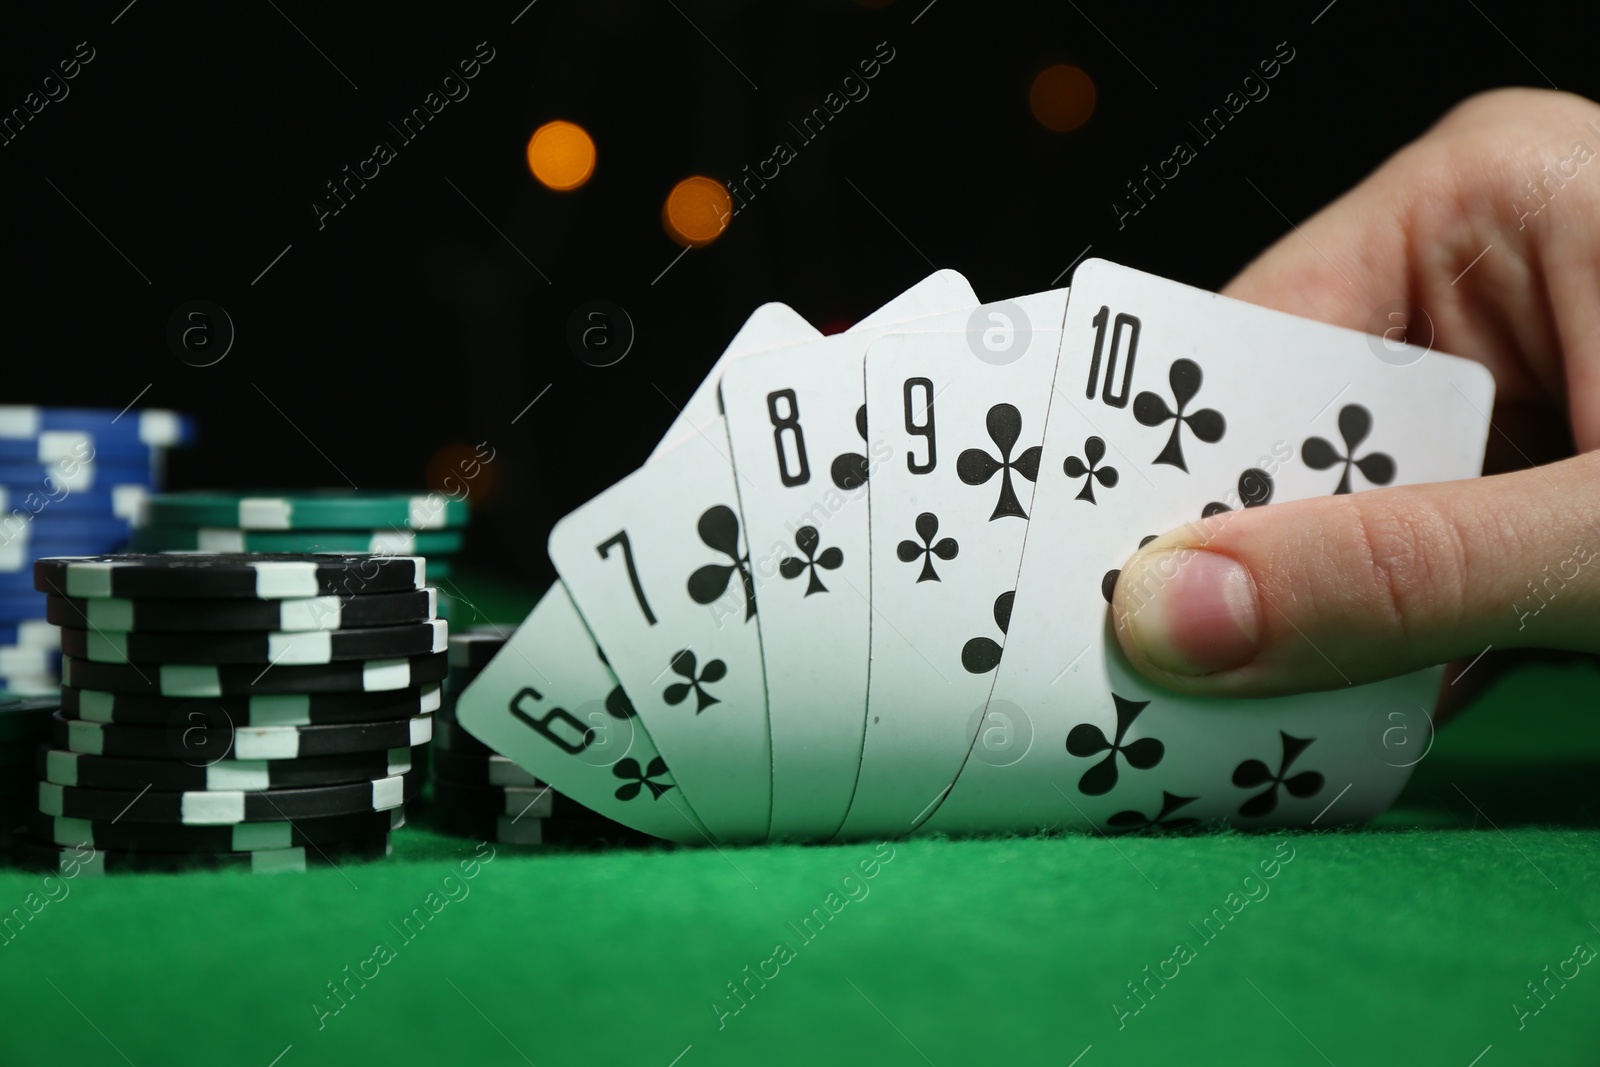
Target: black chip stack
x: 256, y: 711
x: 479, y: 793
x: 24, y: 723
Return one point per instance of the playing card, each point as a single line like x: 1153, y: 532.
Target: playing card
x: 550, y: 703
x: 659, y: 568
x: 1171, y: 404
x: 796, y: 423
x: 771, y: 325
x: 959, y: 417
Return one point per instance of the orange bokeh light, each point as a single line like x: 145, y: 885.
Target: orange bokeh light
x: 1062, y: 98
x: 460, y: 471
x: 561, y: 155
x: 697, y: 211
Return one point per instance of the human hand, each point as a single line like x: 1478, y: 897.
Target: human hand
x: 1322, y: 593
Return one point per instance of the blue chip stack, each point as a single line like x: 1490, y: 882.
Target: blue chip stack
x: 73, y: 481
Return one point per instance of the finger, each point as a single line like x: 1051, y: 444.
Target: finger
x: 1479, y: 240
x: 1336, y: 591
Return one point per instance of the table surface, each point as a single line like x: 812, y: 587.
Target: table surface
x: 1412, y: 941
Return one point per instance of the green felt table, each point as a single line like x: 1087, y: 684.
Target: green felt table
x: 1412, y: 941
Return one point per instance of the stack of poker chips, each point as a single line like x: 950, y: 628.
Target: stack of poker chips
x: 479, y: 793
x: 24, y: 723
x: 306, y: 520
x: 253, y: 711
x: 72, y: 482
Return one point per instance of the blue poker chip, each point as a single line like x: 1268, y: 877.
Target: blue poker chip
x: 71, y: 474
x: 56, y: 447
x: 154, y: 427
x: 18, y: 557
x: 20, y: 503
x: 17, y: 606
x: 68, y: 526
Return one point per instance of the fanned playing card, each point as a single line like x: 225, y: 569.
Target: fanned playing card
x: 796, y: 422
x: 958, y: 418
x: 1172, y: 404
x: 551, y: 703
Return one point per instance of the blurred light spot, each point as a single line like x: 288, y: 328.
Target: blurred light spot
x: 1062, y: 98
x: 697, y: 211
x: 460, y: 471
x: 561, y: 155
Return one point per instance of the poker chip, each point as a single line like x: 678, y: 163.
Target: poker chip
x: 519, y: 802
x: 465, y: 768
x: 78, y: 860
x: 295, y: 614
x: 239, y: 837
x: 33, y: 502
x: 152, y: 427
x: 29, y: 633
x: 271, y: 709
x: 21, y: 661
x: 473, y: 649
x: 308, y: 510
x: 199, y: 745
x: 281, y: 649
x: 203, y: 680
x: 507, y: 830
x: 448, y: 735
x: 226, y: 807
x: 265, y: 576
x: 249, y: 776
x: 73, y: 475
x: 377, y: 542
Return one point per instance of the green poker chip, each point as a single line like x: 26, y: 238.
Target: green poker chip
x: 307, y: 509
x: 396, y: 542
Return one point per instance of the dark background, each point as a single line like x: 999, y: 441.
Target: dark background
x: 199, y: 136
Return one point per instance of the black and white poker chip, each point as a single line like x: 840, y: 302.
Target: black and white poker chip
x: 473, y: 649
x: 519, y: 802
x: 211, y: 575
x: 296, y: 614
x: 240, y: 837
x: 198, y: 746
x: 80, y: 859
x: 449, y: 736
x: 471, y: 769
x: 211, y: 680
x: 286, y: 648
x: 250, y: 776
x: 225, y: 808
x: 272, y: 709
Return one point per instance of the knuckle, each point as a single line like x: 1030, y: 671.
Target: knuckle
x: 1415, y: 559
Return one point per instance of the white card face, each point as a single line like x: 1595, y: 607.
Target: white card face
x: 771, y: 325
x: 1198, y: 403
x: 960, y: 416
x: 550, y: 703
x: 795, y: 419
x: 659, y: 569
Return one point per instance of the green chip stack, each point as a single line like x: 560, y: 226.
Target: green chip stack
x: 309, y: 520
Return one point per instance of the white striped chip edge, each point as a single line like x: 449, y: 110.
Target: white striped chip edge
x: 388, y: 793
x: 280, y: 709
x: 280, y: 579
x: 61, y: 767
x: 441, y: 635
x: 51, y: 799
x: 160, y: 428
x: 211, y: 539
x: 264, y: 513
x: 249, y: 776
x: 310, y: 646
x: 108, y: 646
x: 111, y: 613
x: 421, y: 514
x: 381, y: 675
x: 310, y: 613
x: 277, y: 861
x: 211, y: 809
x: 128, y: 502
x: 392, y: 543
x: 431, y: 698
x: 86, y: 737
x: 19, y: 420
x: 190, y: 680
x: 90, y: 579
x: 266, y: 742
x: 259, y: 836
x: 421, y: 730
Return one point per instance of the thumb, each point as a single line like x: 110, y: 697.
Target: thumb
x: 1336, y: 591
